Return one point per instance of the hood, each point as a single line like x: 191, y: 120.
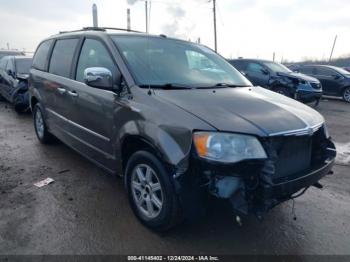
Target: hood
x: 299, y: 76
x: 249, y: 110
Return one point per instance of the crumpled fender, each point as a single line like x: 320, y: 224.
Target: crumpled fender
x: 172, y: 143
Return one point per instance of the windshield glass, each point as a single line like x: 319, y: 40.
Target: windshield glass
x: 23, y: 65
x: 275, y: 67
x: 162, y: 61
x: 342, y: 71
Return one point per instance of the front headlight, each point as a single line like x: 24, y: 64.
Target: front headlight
x: 226, y: 147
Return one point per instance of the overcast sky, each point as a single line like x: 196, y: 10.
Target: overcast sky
x: 294, y: 29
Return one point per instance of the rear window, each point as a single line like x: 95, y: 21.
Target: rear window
x: 62, y: 57
x: 307, y: 70
x: 41, y: 55
x: 23, y: 65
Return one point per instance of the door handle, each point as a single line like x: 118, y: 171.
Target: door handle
x: 73, y: 93
x: 61, y: 90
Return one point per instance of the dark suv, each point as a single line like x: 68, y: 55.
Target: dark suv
x: 278, y: 78
x: 14, y: 73
x: 335, y: 80
x: 177, y: 122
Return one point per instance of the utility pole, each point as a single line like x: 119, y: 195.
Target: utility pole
x: 273, y: 56
x: 128, y: 19
x: 94, y: 15
x: 146, y: 9
x: 214, y: 11
x: 335, y: 40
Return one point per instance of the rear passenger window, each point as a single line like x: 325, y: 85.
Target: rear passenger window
x: 94, y: 54
x: 62, y: 57
x: 3, y: 62
x: 41, y: 55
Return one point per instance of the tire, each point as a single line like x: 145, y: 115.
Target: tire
x: 20, y: 107
x: 41, y: 131
x: 346, y: 94
x: 151, y: 193
x: 283, y: 91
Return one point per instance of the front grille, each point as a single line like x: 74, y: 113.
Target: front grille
x: 316, y: 85
x: 292, y: 155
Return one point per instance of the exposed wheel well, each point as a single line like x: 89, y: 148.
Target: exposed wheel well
x: 33, y: 102
x: 132, y: 144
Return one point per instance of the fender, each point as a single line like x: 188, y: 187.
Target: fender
x: 173, y: 144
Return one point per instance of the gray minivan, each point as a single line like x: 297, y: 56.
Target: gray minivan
x: 177, y: 122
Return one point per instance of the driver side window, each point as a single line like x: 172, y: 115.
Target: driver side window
x: 254, y: 67
x: 94, y: 54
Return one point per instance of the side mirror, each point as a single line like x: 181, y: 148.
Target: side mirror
x: 336, y: 77
x: 10, y: 72
x: 99, y: 77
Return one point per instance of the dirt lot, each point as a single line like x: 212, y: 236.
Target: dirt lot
x: 85, y: 211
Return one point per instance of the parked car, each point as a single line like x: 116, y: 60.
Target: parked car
x: 177, y: 122
x: 14, y: 73
x: 347, y: 68
x: 335, y: 80
x: 10, y: 53
x: 278, y: 78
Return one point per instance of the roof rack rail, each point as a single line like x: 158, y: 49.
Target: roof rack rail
x: 102, y: 29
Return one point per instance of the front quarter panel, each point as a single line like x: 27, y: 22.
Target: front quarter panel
x: 165, y: 126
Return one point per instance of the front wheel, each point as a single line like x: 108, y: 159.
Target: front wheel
x: 151, y: 193
x: 41, y: 130
x: 283, y: 91
x: 346, y: 94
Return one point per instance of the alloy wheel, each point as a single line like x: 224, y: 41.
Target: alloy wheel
x: 39, y: 123
x: 346, y: 95
x: 146, y: 191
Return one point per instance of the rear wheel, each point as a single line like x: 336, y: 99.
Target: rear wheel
x: 283, y: 91
x: 41, y: 131
x: 151, y: 193
x: 346, y: 94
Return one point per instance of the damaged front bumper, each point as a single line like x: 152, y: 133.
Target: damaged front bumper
x: 256, y: 186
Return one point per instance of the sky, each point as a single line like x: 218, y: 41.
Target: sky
x: 293, y: 29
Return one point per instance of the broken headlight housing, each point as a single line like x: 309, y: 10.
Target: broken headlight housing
x: 227, y: 147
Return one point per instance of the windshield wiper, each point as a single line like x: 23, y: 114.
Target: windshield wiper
x: 167, y: 86
x: 221, y: 85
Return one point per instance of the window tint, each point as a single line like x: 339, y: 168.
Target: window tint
x: 10, y: 65
x: 62, y: 57
x: 322, y: 71
x: 41, y: 55
x: 239, y: 65
x: 254, y: 67
x: 23, y: 65
x: 307, y: 70
x: 94, y: 54
x: 3, y: 62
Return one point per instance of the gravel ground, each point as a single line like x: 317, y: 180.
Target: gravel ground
x: 85, y: 211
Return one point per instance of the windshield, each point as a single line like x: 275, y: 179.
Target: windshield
x: 23, y: 65
x: 162, y: 61
x: 275, y: 67
x: 342, y: 71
